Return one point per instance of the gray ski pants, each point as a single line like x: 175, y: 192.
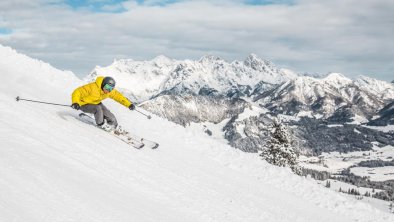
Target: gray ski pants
x: 100, y: 113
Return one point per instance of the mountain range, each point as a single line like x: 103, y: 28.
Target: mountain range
x: 213, y: 90
x: 254, y: 80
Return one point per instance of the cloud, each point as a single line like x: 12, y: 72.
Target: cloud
x: 349, y: 36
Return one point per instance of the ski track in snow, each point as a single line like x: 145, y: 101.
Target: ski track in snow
x: 54, y: 167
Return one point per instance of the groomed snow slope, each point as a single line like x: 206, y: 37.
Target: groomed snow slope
x: 56, y: 168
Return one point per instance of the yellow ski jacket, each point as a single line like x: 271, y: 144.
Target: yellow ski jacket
x: 93, y: 94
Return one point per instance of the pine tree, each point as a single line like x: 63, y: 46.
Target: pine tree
x: 280, y: 150
x: 328, y: 184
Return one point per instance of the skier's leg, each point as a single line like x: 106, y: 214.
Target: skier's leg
x: 97, y: 110
x: 110, y: 117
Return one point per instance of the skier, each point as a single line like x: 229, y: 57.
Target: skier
x: 88, y: 99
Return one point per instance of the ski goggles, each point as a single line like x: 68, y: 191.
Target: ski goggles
x: 108, y: 87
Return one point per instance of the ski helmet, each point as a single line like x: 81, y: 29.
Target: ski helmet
x: 108, y: 81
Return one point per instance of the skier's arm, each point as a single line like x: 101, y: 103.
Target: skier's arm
x: 118, y: 97
x: 79, y: 93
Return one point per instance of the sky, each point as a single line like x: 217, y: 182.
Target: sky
x: 353, y: 37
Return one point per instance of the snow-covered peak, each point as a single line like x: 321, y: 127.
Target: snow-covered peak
x: 256, y: 63
x: 162, y: 60
x: 385, y: 89
x: 210, y: 59
x: 290, y: 73
x: 303, y: 89
x: 253, y: 58
x: 336, y: 80
x: 365, y: 80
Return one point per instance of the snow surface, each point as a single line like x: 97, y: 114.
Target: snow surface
x: 357, y: 119
x: 335, y: 162
x: 337, y: 185
x: 56, y: 168
x: 375, y: 174
x: 344, y: 187
x: 251, y: 111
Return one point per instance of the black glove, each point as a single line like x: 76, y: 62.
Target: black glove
x: 75, y: 106
x: 132, y: 107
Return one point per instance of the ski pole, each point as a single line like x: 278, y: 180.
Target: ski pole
x: 35, y: 101
x: 147, y: 116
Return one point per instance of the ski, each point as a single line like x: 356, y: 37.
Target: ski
x: 147, y: 143
x: 136, y: 144
x: 130, y: 139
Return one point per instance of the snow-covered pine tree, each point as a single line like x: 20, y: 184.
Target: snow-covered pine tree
x: 279, y: 150
x: 391, y: 206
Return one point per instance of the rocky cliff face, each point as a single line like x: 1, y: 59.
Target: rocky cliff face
x: 385, y: 116
x: 184, y: 109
